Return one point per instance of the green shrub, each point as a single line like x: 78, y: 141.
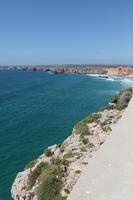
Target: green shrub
x: 59, y: 145
x: 111, y: 107
x: 51, y: 184
x: 115, y: 99
x: 31, y: 164
x: 101, y: 143
x: 104, y: 123
x: 48, y: 152
x: 90, y: 145
x: 65, y: 162
x: 83, y: 139
x: 33, y: 176
x: 84, y: 130
x: 106, y: 129
x: 121, y: 107
x: 77, y: 171
x: 127, y: 99
x: 124, y: 98
x: 56, y: 161
x: 70, y: 155
x: 102, y: 109
x: 129, y: 89
x: 59, y: 162
x: 83, y: 149
x: 66, y: 191
x: 121, y: 100
x: 92, y: 118
x: 86, y: 142
x: 81, y: 128
x: 60, y: 198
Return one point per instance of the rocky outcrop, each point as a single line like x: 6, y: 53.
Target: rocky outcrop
x: 53, y: 175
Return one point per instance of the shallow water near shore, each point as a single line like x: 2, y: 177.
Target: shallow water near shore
x: 38, y: 109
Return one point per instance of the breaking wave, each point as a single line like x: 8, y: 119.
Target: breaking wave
x: 124, y: 81
x: 127, y: 81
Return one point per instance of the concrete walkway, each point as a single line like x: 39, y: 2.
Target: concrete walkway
x: 109, y: 175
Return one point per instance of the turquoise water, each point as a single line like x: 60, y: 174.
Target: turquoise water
x: 38, y: 109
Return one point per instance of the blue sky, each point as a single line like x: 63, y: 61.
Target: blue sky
x: 66, y: 32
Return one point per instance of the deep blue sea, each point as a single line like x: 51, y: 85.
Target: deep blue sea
x: 38, y: 109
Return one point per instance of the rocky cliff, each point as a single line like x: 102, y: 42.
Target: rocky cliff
x: 53, y: 175
x: 115, y: 71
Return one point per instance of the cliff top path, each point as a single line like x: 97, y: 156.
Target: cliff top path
x: 109, y: 175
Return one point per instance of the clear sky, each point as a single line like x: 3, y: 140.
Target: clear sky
x: 66, y: 32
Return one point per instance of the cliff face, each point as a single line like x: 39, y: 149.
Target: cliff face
x: 72, y: 157
x: 53, y: 175
x: 79, y: 70
x: 124, y: 72
x: 118, y: 71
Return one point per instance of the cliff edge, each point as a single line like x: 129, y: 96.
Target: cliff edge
x: 53, y: 175
x: 109, y: 175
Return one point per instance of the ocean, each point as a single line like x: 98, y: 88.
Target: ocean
x: 38, y: 109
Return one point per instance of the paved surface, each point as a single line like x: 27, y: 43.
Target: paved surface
x: 109, y: 175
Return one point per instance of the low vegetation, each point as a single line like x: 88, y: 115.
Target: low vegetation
x: 50, y: 184
x: 81, y: 128
x: 86, y: 142
x: 93, y: 118
x: 50, y: 178
x: 101, y: 143
x: 90, y: 145
x: 83, y: 149
x: 105, y: 122
x: 59, y: 145
x: 104, y: 125
x: 78, y: 171
x: 31, y: 164
x: 109, y: 107
x: 70, y: 155
x: 60, y: 162
x: 34, y: 175
x: 48, y: 152
x: 67, y: 191
x: 115, y: 99
x: 124, y: 98
x: 119, y: 101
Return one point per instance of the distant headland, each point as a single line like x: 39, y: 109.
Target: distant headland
x: 111, y: 70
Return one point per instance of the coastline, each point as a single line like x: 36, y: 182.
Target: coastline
x: 126, y: 72
x: 72, y: 155
x: 109, y: 175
